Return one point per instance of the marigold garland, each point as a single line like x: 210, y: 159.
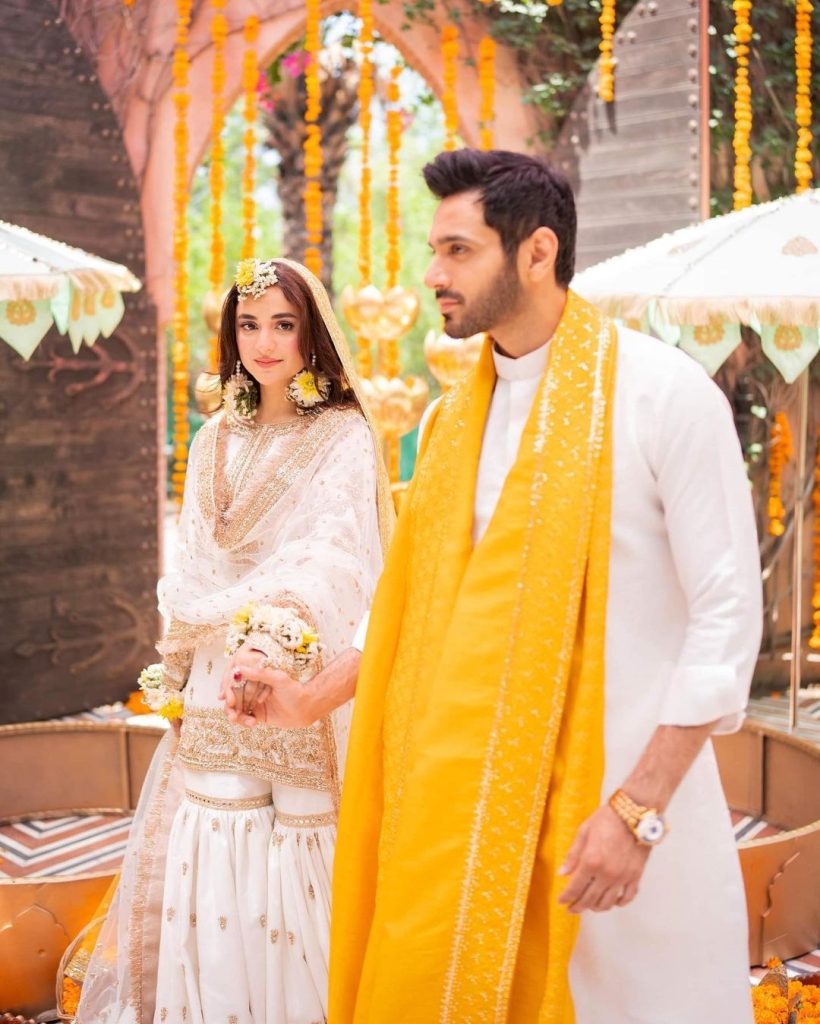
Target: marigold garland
x: 606, y: 67
x: 780, y: 451
x: 393, y: 225
x: 364, y: 354
x: 802, y: 102
x: 743, y: 106
x: 179, y: 346
x: 312, y: 194
x: 801, y: 1006
x: 216, y: 273
x: 814, y: 640
x: 250, y: 78
x: 449, y: 59
x: 486, y: 85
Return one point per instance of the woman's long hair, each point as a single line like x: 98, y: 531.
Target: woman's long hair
x: 315, y: 344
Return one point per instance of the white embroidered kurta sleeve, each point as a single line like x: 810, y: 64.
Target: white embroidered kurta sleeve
x: 707, y: 507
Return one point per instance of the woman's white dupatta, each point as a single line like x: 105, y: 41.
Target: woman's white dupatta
x: 308, y: 528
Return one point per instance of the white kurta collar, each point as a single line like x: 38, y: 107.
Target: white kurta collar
x: 525, y: 367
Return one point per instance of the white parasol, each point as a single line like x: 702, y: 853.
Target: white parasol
x: 45, y: 283
x: 695, y: 287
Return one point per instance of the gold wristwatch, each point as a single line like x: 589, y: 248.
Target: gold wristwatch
x: 646, y: 824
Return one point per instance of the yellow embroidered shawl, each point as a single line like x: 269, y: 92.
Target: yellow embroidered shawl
x: 476, y: 749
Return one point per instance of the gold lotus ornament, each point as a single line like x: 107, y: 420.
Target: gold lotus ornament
x: 396, y: 404
x: 212, y: 309
x: 208, y: 393
x: 380, y: 316
x: 451, y: 359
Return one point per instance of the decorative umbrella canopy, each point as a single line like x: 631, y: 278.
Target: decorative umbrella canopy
x: 695, y: 287
x: 43, y: 282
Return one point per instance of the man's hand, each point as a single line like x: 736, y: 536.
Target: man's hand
x: 268, y: 696
x: 605, y: 864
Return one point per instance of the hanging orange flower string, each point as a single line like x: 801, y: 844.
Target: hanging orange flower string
x: 780, y: 451
x: 313, y: 141
x: 250, y: 78
x: 179, y: 345
x: 392, y: 359
x: 363, y: 345
x: 393, y: 224
x: 814, y: 641
x: 449, y: 58
x: 486, y: 85
x: 743, y: 106
x: 802, y: 104
x: 606, y: 67
x: 216, y: 273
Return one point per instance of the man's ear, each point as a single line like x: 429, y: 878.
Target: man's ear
x: 540, y: 252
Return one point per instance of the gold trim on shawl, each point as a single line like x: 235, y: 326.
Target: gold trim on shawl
x: 136, y: 930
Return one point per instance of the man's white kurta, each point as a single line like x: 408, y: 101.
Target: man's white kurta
x: 683, y: 629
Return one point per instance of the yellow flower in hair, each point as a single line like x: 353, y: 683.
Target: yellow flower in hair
x: 244, y: 273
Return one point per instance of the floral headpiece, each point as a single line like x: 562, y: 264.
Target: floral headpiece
x: 254, y: 277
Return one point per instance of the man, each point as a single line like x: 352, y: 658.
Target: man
x: 570, y: 609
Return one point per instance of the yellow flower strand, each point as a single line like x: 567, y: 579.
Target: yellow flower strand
x: 250, y: 76
x: 393, y: 225
x: 486, y: 85
x: 780, y: 451
x: 743, y: 106
x: 802, y: 102
x: 179, y: 347
x: 606, y: 67
x: 312, y: 194
x: 216, y: 273
x: 364, y: 354
x: 449, y: 59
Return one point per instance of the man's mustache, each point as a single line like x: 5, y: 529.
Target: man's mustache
x: 445, y: 293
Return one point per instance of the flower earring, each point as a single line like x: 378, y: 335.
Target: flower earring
x: 308, y: 389
x: 240, y: 398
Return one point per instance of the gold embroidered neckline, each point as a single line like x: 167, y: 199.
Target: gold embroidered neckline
x: 232, y: 522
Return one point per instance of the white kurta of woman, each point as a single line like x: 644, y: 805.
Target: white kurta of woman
x: 682, y: 633
x: 222, y: 913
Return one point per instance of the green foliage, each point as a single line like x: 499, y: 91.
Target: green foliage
x: 773, y: 93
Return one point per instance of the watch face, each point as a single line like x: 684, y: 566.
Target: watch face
x: 650, y: 829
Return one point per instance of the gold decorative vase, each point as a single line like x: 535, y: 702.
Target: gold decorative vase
x: 450, y: 359
x: 396, y: 403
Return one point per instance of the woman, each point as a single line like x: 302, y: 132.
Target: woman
x: 223, y: 907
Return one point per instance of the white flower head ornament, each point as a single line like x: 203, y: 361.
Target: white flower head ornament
x: 254, y: 277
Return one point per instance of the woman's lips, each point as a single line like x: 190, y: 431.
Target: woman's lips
x: 265, y: 363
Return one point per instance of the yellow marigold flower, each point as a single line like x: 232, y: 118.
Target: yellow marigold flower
x: 243, y: 616
x: 244, y: 273
x: 172, y: 709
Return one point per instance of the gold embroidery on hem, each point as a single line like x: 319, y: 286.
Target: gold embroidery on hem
x: 306, y: 820
x: 243, y: 803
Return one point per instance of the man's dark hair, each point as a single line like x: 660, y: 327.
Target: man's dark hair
x: 519, y: 193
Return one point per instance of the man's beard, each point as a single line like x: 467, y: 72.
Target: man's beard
x: 496, y: 303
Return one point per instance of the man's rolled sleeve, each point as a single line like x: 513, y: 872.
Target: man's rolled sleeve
x: 710, y: 521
